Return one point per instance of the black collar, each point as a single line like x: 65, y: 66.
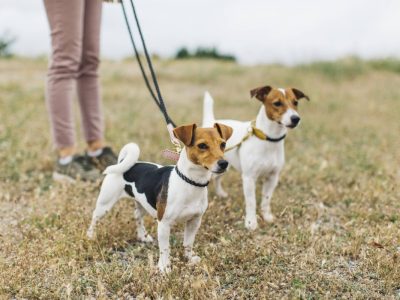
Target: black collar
x: 190, y: 181
x: 262, y: 136
x: 276, y: 139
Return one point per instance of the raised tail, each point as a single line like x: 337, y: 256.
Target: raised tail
x: 208, y: 110
x: 127, y: 157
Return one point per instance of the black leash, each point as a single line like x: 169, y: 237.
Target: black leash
x: 157, y: 99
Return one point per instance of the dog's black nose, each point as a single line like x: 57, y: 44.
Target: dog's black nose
x: 295, y: 119
x: 223, y: 164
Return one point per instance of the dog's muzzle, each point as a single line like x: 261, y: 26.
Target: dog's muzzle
x: 294, y: 121
x: 221, y: 166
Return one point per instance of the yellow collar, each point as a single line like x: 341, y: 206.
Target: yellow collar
x: 262, y: 136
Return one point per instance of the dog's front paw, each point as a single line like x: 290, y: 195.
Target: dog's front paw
x: 146, y: 238
x: 250, y: 223
x: 90, y: 234
x: 194, y: 260
x: 268, y: 217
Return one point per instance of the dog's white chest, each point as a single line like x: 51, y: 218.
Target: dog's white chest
x: 182, y: 210
x: 185, y: 201
x: 262, y: 158
x: 192, y: 209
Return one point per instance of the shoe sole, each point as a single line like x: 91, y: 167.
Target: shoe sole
x: 62, y: 178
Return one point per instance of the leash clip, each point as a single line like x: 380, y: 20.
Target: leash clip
x: 170, y: 154
x: 172, y: 137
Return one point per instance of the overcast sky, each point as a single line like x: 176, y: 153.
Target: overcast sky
x: 256, y: 31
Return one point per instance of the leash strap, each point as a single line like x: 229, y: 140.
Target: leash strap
x: 249, y: 134
x: 146, y: 80
x: 150, y: 65
x: 157, y: 99
x: 190, y: 181
x: 253, y: 130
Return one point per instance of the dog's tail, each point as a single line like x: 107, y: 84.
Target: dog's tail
x: 127, y: 157
x: 208, y: 110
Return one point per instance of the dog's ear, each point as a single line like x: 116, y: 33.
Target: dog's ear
x: 185, y: 134
x: 299, y: 94
x: 224, y: 131
x: 261, y: 92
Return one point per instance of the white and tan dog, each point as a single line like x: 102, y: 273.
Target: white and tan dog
x: 256, y: 149
x: 172, y: 193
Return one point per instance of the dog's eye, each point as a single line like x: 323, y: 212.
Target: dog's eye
x: 277, y: 103
x: 202, y: 146
x: 295, y: 103
x: 223, y: 145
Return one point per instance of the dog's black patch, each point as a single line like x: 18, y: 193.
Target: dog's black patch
x: 149, y: 180
x: 128, y: 189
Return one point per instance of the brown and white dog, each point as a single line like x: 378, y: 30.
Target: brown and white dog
x: 259, y: 151
x: 170, y: 194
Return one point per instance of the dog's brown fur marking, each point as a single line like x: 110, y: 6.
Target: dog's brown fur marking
x: 162, y: 202
x: 260, y: 92
x: 268, y: 96
x: 186, y: 134
x: 214, y: 139
x: 224, y: 131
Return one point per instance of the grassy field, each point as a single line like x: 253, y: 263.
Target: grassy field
x: 336, y: 233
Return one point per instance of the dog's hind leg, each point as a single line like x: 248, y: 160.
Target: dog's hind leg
x: 110, y: 192
x: 267, y: 189
x: 142, y: 234
x: 191, y: 228
x: 218, y: 187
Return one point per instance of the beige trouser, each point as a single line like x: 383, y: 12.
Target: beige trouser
x: 75, y: 41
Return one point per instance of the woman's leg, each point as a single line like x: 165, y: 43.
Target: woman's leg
x: 88, y: 81
x: 66, y: 25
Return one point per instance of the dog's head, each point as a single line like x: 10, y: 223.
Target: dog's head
x: 280, y: 104
x: 205, y: 146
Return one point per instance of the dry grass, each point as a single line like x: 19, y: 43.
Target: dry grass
x: 336, y: 233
